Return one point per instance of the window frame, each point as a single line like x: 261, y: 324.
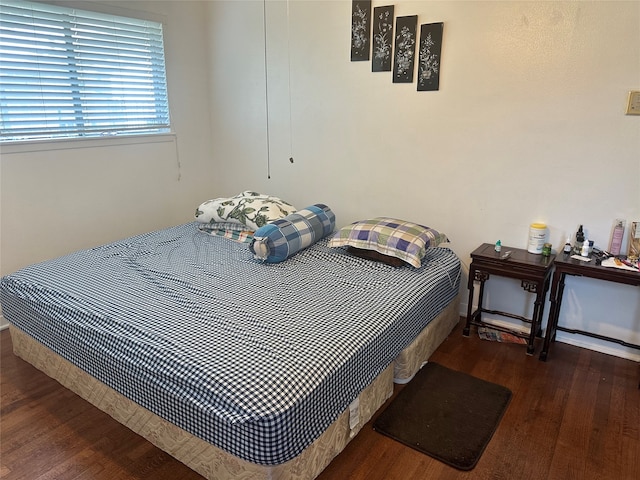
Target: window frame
x: 162, y: 128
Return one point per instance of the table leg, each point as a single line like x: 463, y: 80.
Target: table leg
x: 556, y: 315
x: 483, y: 277
x: 555, y: 298
x: 541, y: 316
x: 467, y: 327
x: 536, y: 318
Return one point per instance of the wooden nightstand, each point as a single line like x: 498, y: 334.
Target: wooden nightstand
x: 534, y: 272
x: 565, y: 265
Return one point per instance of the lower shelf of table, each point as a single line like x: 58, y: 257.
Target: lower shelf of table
x: 544, y: 354
x: 479, y: 323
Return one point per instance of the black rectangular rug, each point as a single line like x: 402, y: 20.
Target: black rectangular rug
x: 446, y: 414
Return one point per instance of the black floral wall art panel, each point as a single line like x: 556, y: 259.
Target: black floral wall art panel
x: 382, y: 39
x: 360, y: 30
x: 429, y: 50
x: 405, y: 49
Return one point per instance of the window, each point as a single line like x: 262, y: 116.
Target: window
x: 73, y: 73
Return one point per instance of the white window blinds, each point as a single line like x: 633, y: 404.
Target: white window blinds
x: 74, y: 73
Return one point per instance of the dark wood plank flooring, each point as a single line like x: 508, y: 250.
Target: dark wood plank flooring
x: 576, y: 416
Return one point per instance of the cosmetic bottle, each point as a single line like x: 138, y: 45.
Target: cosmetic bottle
x: 577, y: 248
x: 567, y: 246
x: 616, y: 237
x: 498, y: 246
x: 584, y: 251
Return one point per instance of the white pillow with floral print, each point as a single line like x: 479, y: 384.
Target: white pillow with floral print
x: 248, y: 208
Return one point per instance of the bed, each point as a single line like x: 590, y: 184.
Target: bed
x: 237, y: 368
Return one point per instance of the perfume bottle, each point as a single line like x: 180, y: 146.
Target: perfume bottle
x: 616, y: 237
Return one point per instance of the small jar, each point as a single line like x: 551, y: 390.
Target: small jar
x: 546, y: 250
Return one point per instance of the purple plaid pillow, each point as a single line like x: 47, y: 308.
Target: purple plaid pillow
x: 407, y: 241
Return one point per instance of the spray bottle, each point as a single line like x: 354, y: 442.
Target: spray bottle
x: 616, y: 238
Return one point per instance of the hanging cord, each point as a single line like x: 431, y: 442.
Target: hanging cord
x: 175, y: 142
x: 266, y: 87
x: 289, y: 86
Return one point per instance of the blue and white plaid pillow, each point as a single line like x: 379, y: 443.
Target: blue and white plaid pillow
x: 278, y: 240
x: 237, y: 232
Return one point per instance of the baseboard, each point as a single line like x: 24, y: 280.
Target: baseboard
x: 608, y: 348
x: 582, y: 341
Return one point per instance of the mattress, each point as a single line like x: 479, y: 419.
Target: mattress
x: 204, y: 458
x: 257, y: 360
x: 210, y: 461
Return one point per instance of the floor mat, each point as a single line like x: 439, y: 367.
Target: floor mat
x: 446, y: 414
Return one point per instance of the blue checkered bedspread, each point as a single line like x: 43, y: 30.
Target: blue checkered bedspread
x: 257, y: 359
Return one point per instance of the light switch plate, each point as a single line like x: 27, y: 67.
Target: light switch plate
x: 633, y: 105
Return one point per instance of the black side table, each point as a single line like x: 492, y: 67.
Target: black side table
x: 565, y: 265
x: 534, y: 272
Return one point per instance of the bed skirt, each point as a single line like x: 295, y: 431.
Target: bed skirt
x: 410, y: 360
x: 212, y: 462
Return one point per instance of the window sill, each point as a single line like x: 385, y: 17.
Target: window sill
x: 93, y: 142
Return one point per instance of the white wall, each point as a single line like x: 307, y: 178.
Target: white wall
x: 528, y: 125
x: 61, y: 196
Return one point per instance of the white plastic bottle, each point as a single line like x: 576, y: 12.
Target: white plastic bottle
x: 585, y: 248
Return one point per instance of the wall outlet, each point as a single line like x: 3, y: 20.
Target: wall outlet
x: 633, y: 104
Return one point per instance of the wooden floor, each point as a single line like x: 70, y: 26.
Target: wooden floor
x: 576, y: 416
